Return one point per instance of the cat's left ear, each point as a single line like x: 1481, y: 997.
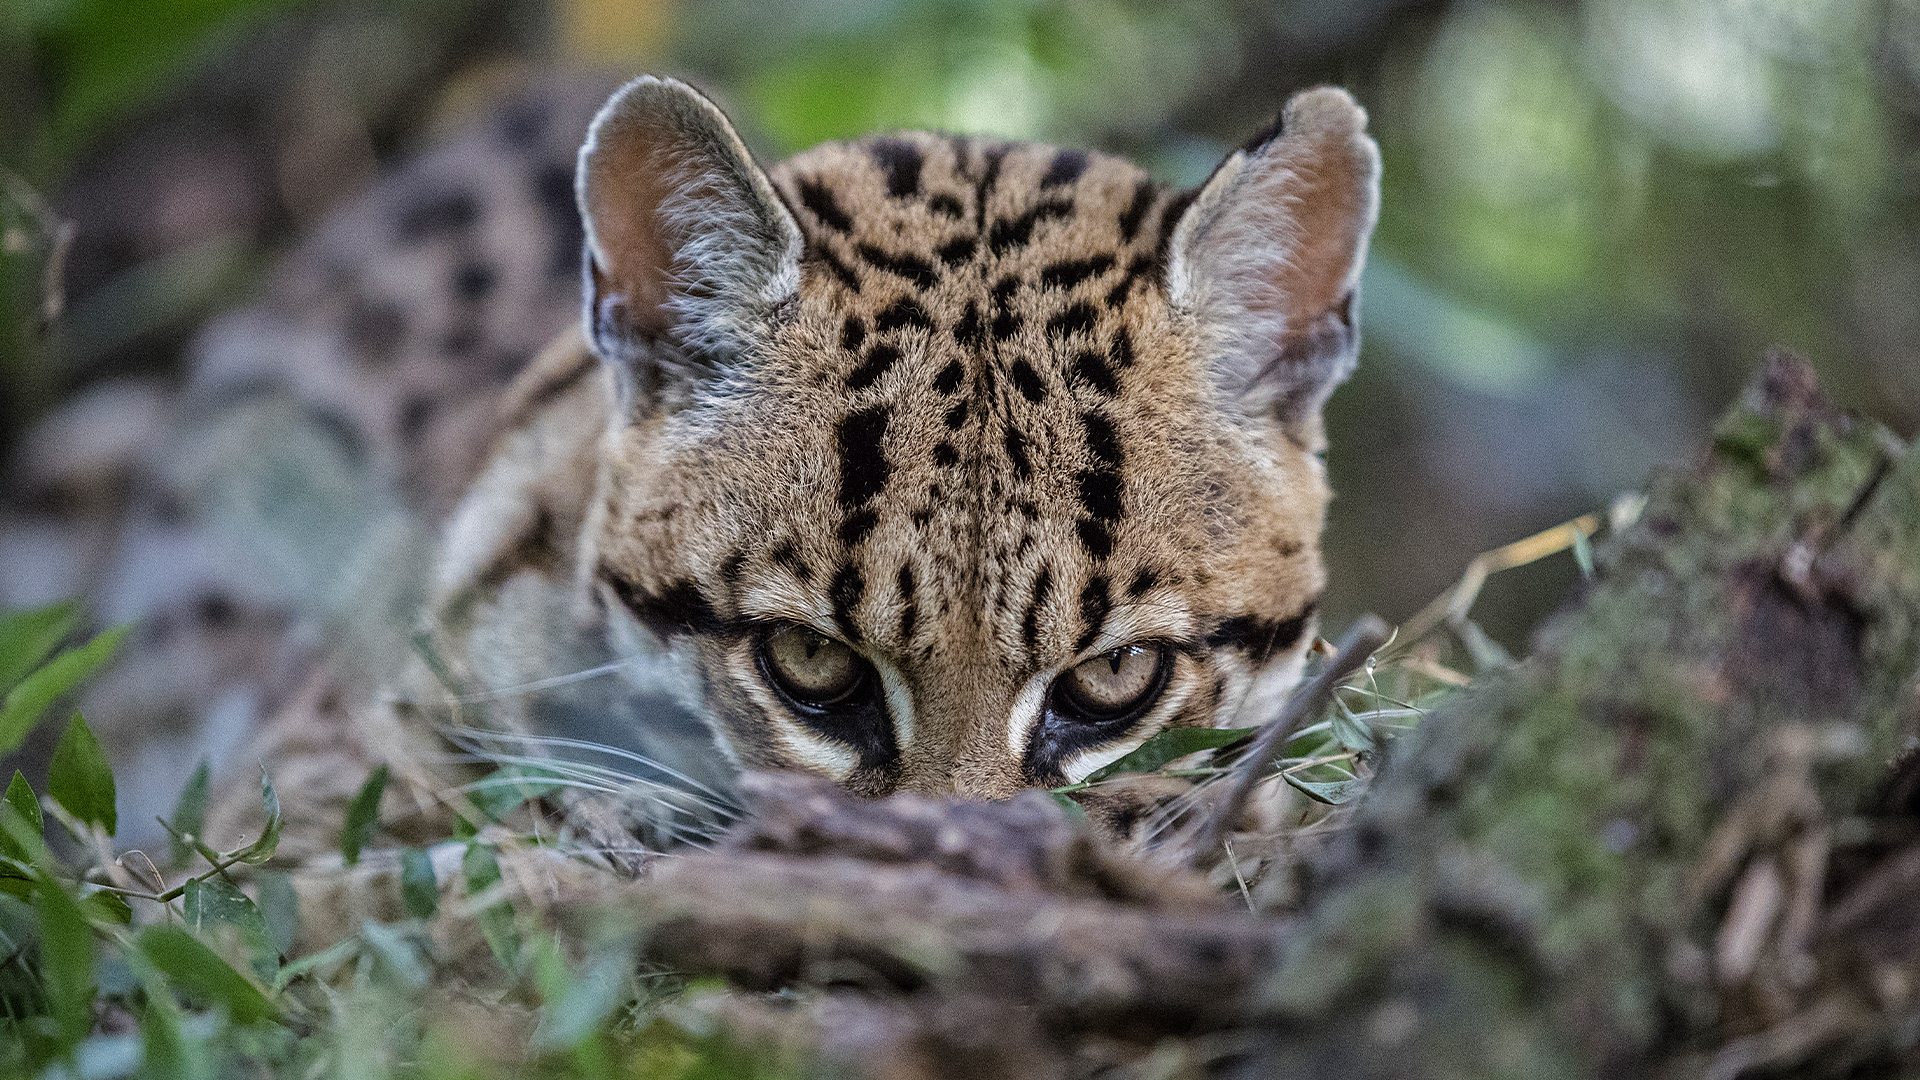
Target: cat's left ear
x: 1267, y: 257
x: 689, y: 248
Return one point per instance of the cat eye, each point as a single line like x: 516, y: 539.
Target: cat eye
x: 813, y: 671
x: 1119, y: 684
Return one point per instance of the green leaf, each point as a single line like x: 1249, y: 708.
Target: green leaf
x: 66, y: 962
x: 167, y: 1049
x: 399, y: 956
x: 1331, y: 792
x: 80, y: 779
x: 200, y: 971
x: 577, y: 1004
x: 262, y: 850
x: 1070, y: 805
x: 20, y: 800
x: 363, y: 816
x: 28, y: 637
x: 189, y: 814
x: 1352, y: 733
x: 1583, y: 553
x: 22, y: 707
x: 103, y: 906
x: 1169, y: 745
x: 419, y: 892
x: 482, y: 872
x: 280, y: 907
x: 214, y: 902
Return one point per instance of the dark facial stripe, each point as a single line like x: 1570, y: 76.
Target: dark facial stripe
x: 1017, y: 453
x: 1018, y: 231
x: 878, y: 360
x: 1142, y: 581
x: 1092, y: 369
x: 857, y: 525
x: 945, y: 205
x: 853, y: 333
x: 786, y: 555
x: 1103, y: 442
x: 1027, y: 381
x: 949, y: 378
x: 1077, y: 319
x: 1100, y: 494
x: 837, y: 268
x: 819, y: 200
x: 945, y: 454
x: 1137, y: 270
x: 909, y: 604
x: 1120, y: 350
x: 863, y: 461
x: 677, y: 608
x: 845, y: 593
x: 1136, y: 211
x: 957, y: 416
x: 1005, y: 322
x: 1067, y: 274
x: 901, y: 161
x: 968, y: 332
x: 1030, y: 623
x: 1261, y: 637
x: 911, y: 267
x: 958, y: 250
x: 1095, y: 537
x: 1095, y: 602
x: 905, y: 311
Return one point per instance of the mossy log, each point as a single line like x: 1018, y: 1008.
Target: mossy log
x: 1644, y: 850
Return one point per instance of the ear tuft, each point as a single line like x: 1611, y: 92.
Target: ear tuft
x: 689, y: 250
x: 1268, y: 256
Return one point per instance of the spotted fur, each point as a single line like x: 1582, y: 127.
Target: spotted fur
x: 981, y: 410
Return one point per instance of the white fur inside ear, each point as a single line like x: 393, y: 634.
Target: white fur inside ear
x: 1267, y: 258
x: 672, y: 201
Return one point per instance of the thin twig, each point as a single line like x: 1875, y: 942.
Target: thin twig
x: 1451, y: 607
x: 1362, y: 640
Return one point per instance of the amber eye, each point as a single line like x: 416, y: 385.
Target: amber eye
x: 1114, y: 684
x: 812, y: 669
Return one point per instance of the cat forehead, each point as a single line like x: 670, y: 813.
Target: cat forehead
x: 973, y: 220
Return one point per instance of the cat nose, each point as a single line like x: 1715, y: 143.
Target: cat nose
x: 986, y: 778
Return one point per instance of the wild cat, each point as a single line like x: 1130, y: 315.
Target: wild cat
x: 920, y: 462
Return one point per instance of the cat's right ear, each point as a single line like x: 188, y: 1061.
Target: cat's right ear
x: 689, y: 251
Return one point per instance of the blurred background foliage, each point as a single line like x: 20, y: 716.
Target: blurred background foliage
x: 1597, y: 214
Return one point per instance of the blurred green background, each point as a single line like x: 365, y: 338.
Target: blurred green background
x: 1596, y: 217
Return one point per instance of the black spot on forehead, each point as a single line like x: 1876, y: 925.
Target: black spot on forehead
x: 1070, y: 272
x: 1136, y: 211
x: 945, y: 205
x: 1027, y: 381
x: 1030, y: 622
x: 840, y: 270
x: 818, y: 198
x: 958, y: 250
x: 1091, y: 368
x: 949, y: 378
x: 901, y: 161
x: 863, y: 461
x: 878, y: 360
x: 901, y: 264
x: 1015, y: 232
x: 1076, y: 319
x: 1103, y: 442
x: 1066, y: 167
x: 905, y: 311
